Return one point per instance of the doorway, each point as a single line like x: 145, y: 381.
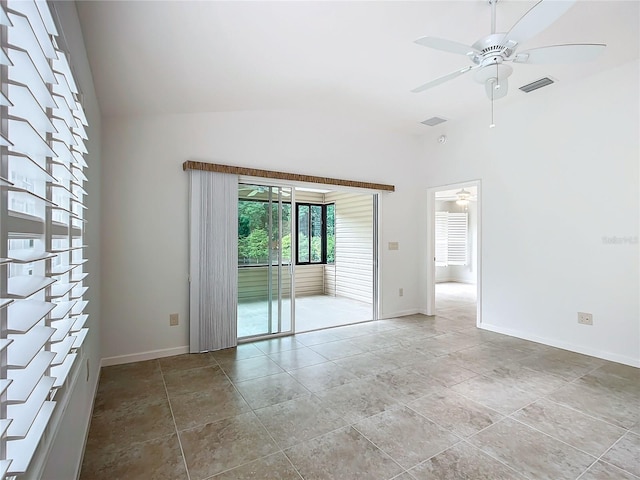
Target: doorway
x: 265, y: 279
x: 454, y: 266
x: 307, y: 258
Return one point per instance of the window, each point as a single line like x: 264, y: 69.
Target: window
x: 253, y: 232
x: 315, y: 233
x: 451, y: 239
x: 42, y: 320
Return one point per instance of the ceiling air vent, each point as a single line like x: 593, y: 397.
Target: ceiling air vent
x: 543, y: 82
x: 433, y: 121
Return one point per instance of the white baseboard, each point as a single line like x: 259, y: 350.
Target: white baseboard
x: 592, y: 352
x: 400, y: 313
x: 139, y: 357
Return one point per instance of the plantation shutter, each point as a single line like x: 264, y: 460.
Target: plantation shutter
x: 451, y: 239
x: 42, y: 214
x: 457, y: 239
x: 442, y: 243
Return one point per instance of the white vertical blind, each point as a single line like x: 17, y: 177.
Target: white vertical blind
x: 213, y: 263
x: 41, y: 227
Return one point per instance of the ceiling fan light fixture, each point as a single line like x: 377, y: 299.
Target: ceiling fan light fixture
x: 463, y: 197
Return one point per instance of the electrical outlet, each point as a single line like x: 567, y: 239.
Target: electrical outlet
x: 174, y: 319
x: 585, y: 318
x: 401, y: 292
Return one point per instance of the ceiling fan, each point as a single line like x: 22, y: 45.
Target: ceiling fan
x: 491, y: 54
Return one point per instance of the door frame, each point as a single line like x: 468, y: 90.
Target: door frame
x: 431, y: 245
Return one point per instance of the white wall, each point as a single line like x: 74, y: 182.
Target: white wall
x: 559, y: 172
x: 65, y: 456
x: 145, y: 198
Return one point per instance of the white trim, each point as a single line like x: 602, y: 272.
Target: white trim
x: 552, y: 342
x: 400, y: 313
x: 139, y: 357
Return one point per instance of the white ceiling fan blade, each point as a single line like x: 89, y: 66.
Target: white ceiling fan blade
x: 537, y: 19
x: 445, y: 78
x: 575, y: 53
x: 252, y: 193
x: 498, y: 89
x: 446, y: 45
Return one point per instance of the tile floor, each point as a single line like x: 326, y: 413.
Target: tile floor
x: 407, y: 398
x: 313, y: 312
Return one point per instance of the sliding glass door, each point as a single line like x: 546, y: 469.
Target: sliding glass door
x: 264, y: 260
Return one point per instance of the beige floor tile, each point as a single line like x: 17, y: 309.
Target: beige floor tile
x: 298, y: 420
x: 298, y: 358
x: 215, y: 447
x: 130, y: 423
x: 456, y: 413
x: 322, y: 376
x: 463, y: 462
x: 405, y: 436
x: 112, y: 393
x: 364, y: 364
x: 605, y: 471
x: 195, y: 380
x: 277, y: 344
x: 206, y: 406
x: 250, y: 368
x: 276, y: 466
x: 626, y: 454
x: 343, y: 454
x: 564, y: 364
x: 338, y: 349
x: 157, y: 459
x: 498, y: 396
x: 270, y: 390
x: 242, y: 351
x: 406, y: 385
x: 445, y: 369
x: 358, y: 400
x: 599, y: 401
x: 525, y: 379
x: 530, y: 452
x: 578, y: 430
x: 186, y: 362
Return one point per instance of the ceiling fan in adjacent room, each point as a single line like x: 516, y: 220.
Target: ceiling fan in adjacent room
x: 491, y: 54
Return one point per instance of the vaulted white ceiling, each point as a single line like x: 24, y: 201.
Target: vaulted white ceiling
x: 350, y: 58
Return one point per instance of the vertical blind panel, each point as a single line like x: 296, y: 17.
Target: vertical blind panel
x: 214, y: 261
